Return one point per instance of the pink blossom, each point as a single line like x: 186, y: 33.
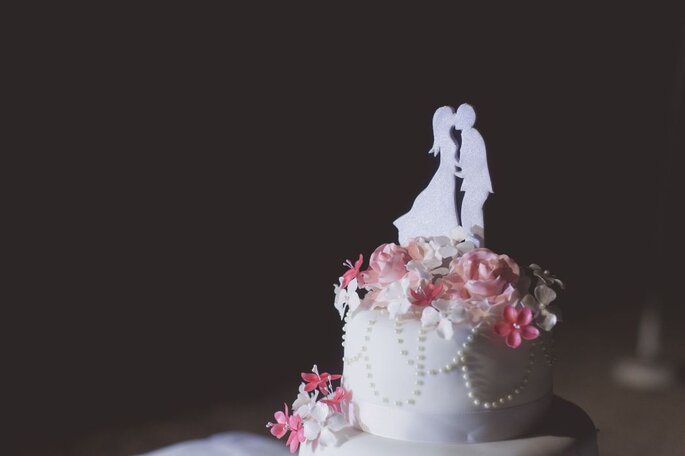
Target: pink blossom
x: 353, y: 272
x: 296, y: 433
x: 315, y: 380
x: 453, y: 285
x: 516, y: 325
x: 487, y: 275
x: 388, y: 263
x: 280, y: 427
x: 337, y: 399
x: 425, y: 295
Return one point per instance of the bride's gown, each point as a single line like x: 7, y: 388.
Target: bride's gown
x: 434, y: 212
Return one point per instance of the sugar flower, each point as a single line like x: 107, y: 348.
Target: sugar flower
x: 313, y: 417
x: 545, y: 276
x: 516, y: 324
x: 296, y: 436
x: 280, y: 427
x: 315, y: 380
x: 426, y: 294
x: 443, y: 315
x: 395, y: 297
x: 353, y: 272
x: 314, y: 421
x: 488, y: 275
x: 346, y: 298
x: 338, y: 399
x: 304, y: 397
x: 387, y: 264
x: 546, y: 316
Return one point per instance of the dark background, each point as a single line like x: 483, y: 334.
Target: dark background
x: 194, y: 179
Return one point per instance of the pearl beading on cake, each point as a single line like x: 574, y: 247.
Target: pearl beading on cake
x: 459, y: 360
x: 478, y: 400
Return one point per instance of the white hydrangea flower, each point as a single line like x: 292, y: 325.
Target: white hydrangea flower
x: 313, y: 416
x: 329, y: 432
x: 442, y: 315
x: 304, y: 398
x: 395, y: 297
x: 443, y: 247
x: 546, y: 316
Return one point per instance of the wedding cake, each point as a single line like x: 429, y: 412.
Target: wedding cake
x: 447, y: 344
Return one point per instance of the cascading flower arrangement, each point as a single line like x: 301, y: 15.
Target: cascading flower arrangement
x: 445, y: 281
x: 319, y: 412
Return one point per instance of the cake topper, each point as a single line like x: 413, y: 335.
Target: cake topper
x: 434, y: 212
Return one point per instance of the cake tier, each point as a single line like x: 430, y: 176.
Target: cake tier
x: 410, y: 384
x: 565, y: 431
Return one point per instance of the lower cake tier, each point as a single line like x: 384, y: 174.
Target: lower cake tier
x: 565, y: 431
x: 410, y: 384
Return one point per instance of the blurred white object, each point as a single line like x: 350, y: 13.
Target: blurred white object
x: 646, y: 371
x: 226, y: 444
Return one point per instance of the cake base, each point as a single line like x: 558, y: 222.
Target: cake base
x: 566, y: 430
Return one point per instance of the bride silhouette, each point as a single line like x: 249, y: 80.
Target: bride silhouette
x: 434, y: 212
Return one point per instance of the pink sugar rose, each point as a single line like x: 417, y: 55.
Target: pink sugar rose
x: 487, y: 275
x: 388, y: 263
x: 453, y: 285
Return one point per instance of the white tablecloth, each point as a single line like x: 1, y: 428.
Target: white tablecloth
x: 227, y: 444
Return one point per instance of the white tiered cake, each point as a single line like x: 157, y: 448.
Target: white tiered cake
x: 447, y: 344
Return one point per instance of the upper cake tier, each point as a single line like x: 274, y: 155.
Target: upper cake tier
x: 442, y: 348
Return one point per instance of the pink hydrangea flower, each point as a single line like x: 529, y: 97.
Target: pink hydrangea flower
x: 338, y: 399
x: 425, y: 295
x: 387, y: 264
x: 516, y: 324
x: 280, y: 427
x: 296, y: 433
x: 315, y: 380
x: 353, y: 272
x: 489, y: 276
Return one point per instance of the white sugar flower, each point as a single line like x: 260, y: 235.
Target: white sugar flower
x: 420, y: 271
x: 329, y: 432
x: 346, y: 298
x: 443, y: 247
x: 546, y: 316
x: 395, y: 297
x: 304, y: 398
x: 313, y: 416
x: 443, y: 314
x: 459, y: 234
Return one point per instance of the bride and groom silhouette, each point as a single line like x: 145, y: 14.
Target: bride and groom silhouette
x: 434, y: 212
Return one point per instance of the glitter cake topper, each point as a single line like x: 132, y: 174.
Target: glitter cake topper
x: 434, y: 212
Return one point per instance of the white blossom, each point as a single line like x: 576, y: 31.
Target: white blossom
x: 546, y: 315
x: 346, y: 298
x: 442, y: 315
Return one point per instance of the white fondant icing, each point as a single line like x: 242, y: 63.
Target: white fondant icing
x: 565, y: 430
x: 427, y: 375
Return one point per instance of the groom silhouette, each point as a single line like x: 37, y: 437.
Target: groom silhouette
x: 473, y: 169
